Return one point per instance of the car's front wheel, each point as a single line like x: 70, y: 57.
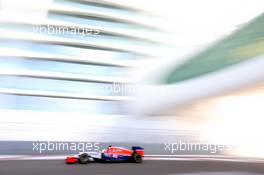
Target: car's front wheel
x: 84, y: 158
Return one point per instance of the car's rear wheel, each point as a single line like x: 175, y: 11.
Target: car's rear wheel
x: 136, y: 158
x: 84, y: 158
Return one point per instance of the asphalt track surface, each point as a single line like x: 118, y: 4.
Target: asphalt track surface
x: 149, y: 167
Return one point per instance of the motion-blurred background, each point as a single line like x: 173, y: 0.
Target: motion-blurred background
x: 133, y: 71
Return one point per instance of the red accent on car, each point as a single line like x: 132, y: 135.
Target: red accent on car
x: 140, y: 152
x: 71, y: 160
x: 118, y: 150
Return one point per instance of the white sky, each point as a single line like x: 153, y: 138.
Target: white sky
x: 195, y: 22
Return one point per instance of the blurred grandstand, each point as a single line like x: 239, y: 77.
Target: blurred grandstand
x: 59, y: 60
x: 220, y: 90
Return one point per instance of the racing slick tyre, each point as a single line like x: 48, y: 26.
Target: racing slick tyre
x: 103, y: 158
x: 136, y: 158
x: 84, y: 158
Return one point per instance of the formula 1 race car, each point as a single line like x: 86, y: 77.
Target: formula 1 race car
x: 111, y: 154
